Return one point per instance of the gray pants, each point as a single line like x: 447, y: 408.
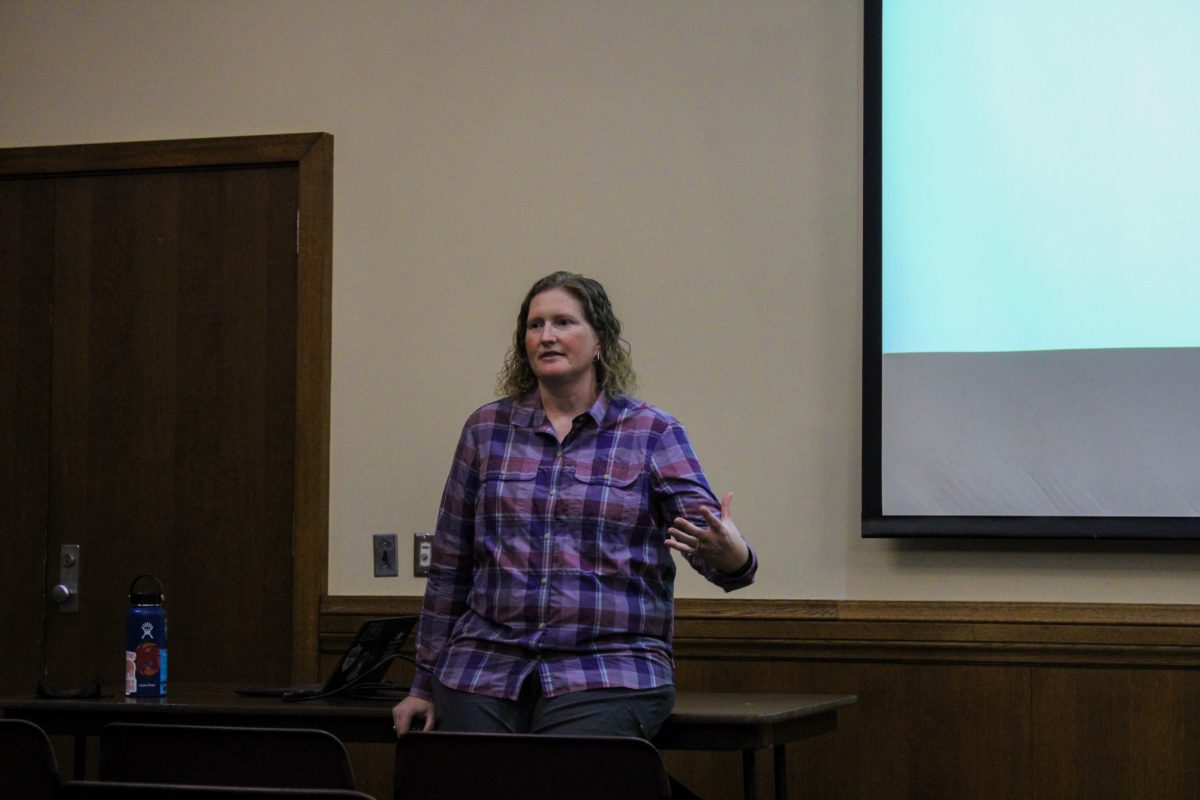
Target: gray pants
x: 597, y: 712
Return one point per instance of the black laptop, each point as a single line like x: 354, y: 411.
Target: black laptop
x: 361, y: 667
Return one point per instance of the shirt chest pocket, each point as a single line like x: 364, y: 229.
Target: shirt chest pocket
x: 506, y: 497
x: 609, y: 494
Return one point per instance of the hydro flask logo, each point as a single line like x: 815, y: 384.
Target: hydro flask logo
x: 147, y: 630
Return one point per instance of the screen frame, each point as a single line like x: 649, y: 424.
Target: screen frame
x: 875, y: 524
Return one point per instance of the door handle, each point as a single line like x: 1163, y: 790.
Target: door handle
x: 65, y: 594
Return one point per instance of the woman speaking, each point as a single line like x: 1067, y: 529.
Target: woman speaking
x: 549, y: 603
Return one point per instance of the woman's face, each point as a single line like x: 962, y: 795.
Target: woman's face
x: 559, y: 341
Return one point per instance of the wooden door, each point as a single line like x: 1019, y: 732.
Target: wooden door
x: 188, y: 404
x: 26, y: 265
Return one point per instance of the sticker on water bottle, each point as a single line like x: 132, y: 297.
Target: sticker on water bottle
x: 146, y: 658
x: 130, y: 672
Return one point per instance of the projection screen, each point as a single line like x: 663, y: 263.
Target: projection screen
x: 1032, y: 268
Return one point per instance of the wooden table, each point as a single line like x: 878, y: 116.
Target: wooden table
x: 748, y: 722
x: 700, y: 721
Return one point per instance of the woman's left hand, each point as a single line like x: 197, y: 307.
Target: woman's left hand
x: 720, y: 545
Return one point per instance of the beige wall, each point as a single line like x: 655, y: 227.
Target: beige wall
x: 700, y: 157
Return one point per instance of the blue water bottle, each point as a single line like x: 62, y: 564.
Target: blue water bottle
x: 146, y: 642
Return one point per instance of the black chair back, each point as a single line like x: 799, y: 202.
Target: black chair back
x: 116, y: 790
x: 28, y: 767
x: 211, y: 755
x: 500, y: 766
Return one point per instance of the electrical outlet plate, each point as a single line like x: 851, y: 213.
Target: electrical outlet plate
x: 384, y: 547
x: 422, y: 554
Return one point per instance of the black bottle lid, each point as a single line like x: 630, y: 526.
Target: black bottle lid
x: 154, y: 598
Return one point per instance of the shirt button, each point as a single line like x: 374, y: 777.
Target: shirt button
x: 541, y: 626
x: 545, y: 581
x: 552, y: 492
x: 559, y: 453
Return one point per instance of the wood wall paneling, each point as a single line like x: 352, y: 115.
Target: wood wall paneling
x: 1117, y: 733
x: 956, y: 700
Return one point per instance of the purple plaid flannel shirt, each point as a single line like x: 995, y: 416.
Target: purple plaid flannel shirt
x: 551, y: 558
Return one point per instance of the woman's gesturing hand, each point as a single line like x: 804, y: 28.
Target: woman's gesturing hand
x: 720, y: 544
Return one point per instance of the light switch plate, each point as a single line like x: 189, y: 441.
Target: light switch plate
x: 422, y: 554
x: 384, y: 547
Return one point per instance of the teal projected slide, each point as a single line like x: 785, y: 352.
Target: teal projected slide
x: 1039, y: 191
x: 1041, y: 175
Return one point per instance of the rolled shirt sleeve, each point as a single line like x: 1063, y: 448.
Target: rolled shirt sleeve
x: 679, y: 488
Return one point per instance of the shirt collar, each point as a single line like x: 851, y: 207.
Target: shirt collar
x: 528, y: 411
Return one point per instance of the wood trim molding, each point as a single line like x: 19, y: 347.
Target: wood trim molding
x: 289, y: 148
x: 367, y: 605
x: 934, y: 611
x: 1077, y: 634
x: 314, y: 336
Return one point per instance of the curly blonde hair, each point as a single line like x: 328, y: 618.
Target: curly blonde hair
x: 614, y: 365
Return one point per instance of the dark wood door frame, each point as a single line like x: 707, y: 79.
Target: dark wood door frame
x: 312, y: 155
